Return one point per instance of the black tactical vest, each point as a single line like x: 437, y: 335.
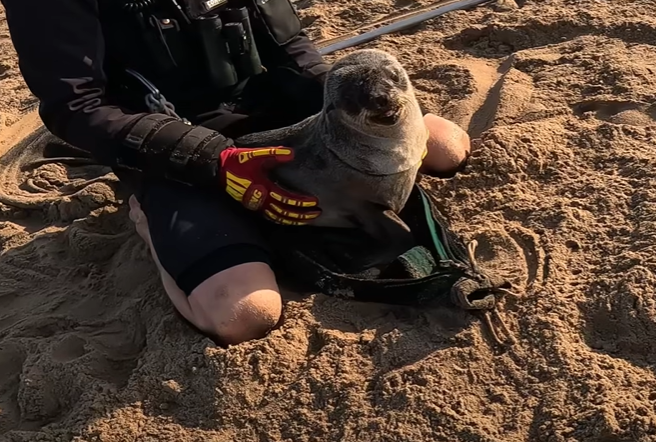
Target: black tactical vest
x: 194, y: 51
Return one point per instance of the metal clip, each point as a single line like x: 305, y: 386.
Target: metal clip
x: 155, y: 101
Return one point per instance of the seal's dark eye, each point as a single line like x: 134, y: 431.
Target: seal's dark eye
x: 394, y: 75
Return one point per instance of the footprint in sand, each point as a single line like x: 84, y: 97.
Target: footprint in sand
x: 513, y: 253
x: 476, y: 93
x: 619, y: 317
x: 86, y: 245
x: 68, y: 349
x: 12, y: 358
x: 491, y: 40
x: 631, y: 113
x: 50, y: 384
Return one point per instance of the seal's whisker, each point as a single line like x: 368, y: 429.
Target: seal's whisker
x: 361, y: 119
x: 404, y: 100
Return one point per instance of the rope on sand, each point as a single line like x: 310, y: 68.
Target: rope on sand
x: 398, y: 23
x: 18, y: 187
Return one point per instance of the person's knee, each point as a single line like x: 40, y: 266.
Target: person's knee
x: 448, y: 147
x: 238, y: 304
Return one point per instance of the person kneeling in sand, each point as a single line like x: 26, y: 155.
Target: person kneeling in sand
x: 94, y: 76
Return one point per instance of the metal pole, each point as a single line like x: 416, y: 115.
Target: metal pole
x: 399, y: 25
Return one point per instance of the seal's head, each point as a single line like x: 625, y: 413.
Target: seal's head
x: 370, y: 88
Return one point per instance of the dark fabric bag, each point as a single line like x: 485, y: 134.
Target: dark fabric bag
x: 439, y: 269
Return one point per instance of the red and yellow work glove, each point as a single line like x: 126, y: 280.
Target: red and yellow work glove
x: 244, y: 176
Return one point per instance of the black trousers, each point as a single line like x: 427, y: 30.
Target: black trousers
x: 198, y: 234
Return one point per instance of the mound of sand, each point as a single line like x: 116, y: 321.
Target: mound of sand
x: 560, y: 194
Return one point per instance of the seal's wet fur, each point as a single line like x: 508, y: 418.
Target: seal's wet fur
x: 361, y: 154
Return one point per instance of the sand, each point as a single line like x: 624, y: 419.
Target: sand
x: 560, y: 194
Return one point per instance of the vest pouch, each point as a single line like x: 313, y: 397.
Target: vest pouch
x: 279, y: 18
x: 166, y: 43
x: 221, y: 71
x: 241, y: 42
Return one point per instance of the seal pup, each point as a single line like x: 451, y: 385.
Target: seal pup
x: 361, y: 154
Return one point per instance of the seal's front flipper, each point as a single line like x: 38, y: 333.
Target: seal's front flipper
x: 391, y: 234
x: 288, y: 136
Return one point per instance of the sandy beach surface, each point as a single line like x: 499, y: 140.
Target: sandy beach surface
x: 560, y: 194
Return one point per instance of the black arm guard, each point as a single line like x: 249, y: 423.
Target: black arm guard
x: 162, y: 146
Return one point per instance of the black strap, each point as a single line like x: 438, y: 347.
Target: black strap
x: 133, y: 150
x: 423, y: 275
x: 195, y: 159
x: 186, y: 147
x: 143, y: 128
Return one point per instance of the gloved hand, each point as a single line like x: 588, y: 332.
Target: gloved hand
x: 244, y: 176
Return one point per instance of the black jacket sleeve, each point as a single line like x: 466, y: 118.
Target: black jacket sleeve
x: 60, y: 48
x: 307, y: 58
